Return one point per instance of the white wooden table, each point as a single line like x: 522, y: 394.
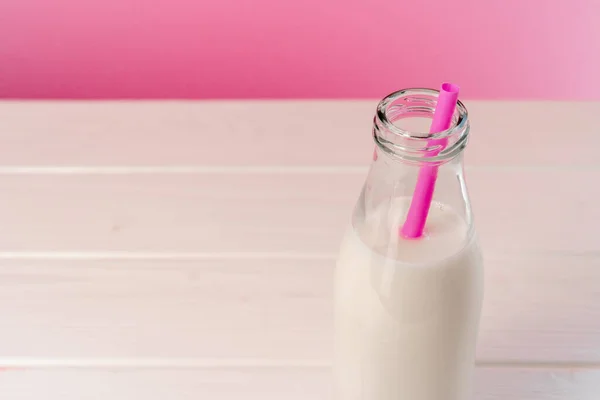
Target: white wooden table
x: 184, y: 250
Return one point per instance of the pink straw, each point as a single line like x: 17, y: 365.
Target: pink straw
x: 421, y: 201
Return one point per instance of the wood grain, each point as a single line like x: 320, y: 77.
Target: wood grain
x: 265, y: 312
x: 243, y: 133
x: 517, y: 210
x: 269, y: 384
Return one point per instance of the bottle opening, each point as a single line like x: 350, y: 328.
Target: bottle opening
x: 401, y: 127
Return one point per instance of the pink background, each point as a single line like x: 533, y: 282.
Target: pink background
x: 298, y: 48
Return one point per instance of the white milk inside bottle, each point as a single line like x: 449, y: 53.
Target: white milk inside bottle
x: 407, y: 310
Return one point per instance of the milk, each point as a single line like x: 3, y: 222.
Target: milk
x: 407, y: 310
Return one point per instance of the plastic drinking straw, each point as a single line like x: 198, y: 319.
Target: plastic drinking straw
x: 421, y: 200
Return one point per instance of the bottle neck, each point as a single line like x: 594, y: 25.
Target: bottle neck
x: 391, y: 183
x: 405, y: 148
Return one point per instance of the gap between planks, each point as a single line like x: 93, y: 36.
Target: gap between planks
x: 246, y: 170
x: 200, y: 256
x: 205, y: 363
x: 116, y: 255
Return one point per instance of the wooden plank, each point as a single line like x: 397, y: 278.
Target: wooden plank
x: 171, y: 310
x: 517, y: 210
x: 537, y: 309
x: 541, y: 308
x: 185, y: 133
x: 270, y: 384
x: 287, y: 133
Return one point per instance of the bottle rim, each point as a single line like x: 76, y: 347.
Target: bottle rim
x: 397, y: 142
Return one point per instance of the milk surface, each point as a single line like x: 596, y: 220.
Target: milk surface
x: 407, y: 310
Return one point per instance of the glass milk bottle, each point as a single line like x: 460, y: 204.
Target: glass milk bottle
x: 407, y: 310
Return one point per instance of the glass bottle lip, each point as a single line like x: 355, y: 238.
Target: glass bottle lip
x: 414, y: 146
